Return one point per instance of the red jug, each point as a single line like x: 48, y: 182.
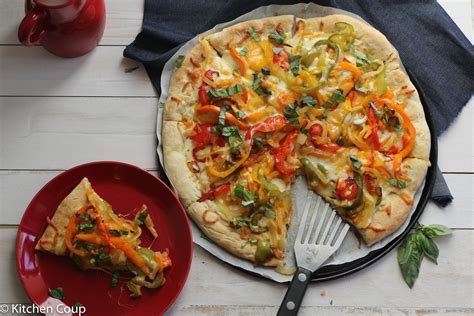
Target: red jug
x: 66, y: 28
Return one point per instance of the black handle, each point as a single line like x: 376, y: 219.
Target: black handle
x: 295, y: 293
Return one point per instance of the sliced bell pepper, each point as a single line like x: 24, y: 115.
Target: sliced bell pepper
x: 209, y: 74
x: 241, y: 62
x: 349, y: 191
x: 225, y: 173
x: 373, y: 128
x: 214, y: 193
x: 202, y: 95
x: 229, y: 116
x: 271, y: 124
x: 328, y: 147
x: 281, y: 154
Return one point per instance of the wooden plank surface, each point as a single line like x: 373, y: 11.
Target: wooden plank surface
x: 62, y: 132
x: 103, y: 72
x: 227, y: 286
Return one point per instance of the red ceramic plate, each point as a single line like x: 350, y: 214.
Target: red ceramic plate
x: 126, y: 188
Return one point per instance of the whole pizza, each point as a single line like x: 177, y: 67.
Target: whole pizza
x: 261, y: 102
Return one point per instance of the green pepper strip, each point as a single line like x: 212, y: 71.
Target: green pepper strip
x: 380, y: 87
x: 345, y: 37
x: 308, y: 59
x: 314, y: 173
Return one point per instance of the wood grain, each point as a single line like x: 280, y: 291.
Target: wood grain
x: 446, y: 286
x: 103, y: 72
x: 58, y: 133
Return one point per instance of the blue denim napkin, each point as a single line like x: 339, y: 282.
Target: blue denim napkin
x: 429, y: 42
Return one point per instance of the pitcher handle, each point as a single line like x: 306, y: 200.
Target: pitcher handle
x: 31, y: 29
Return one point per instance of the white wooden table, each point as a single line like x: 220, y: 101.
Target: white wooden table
x: 56, y: 113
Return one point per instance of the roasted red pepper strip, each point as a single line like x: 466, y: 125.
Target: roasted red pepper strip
x: 328, y: 147
x: 271, y: 124
x: 346, y: 189
x: 214, y: 193
x: 203, y: 99
x: 203, y: 137
x: 282, y: 152
x: 373, y: 128
x: 282, y: 59
x: 209, y: 73
x: 393, y: 150
x: 245, y: 94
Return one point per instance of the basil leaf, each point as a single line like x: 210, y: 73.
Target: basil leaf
x: 115, y: 278
x: 295, y: 64
x: 435, y: 230
x: 304, y: 130
x: 355, y: 162
x: 270, y: 213
x: 243, y: 51
x: 278, y: 39
x: 141, y: 218
x: 240, y: 114
x: 240, y: 221
x: 230, y: 131
x: 249, y: 198
x: 409, y: 257
x: 178, y: 61
x: 124, y: 232
x: 57, y: 293
x: 277, y: 50
x: 253, y: 34
x: 308, y: 100
x: 114, y: 232
x: 397, y: 183
x: 336, y: 97
x: 77, y: 305
x: 265, y: 71
x: 256, y: 86
x: 259, y: 143
x: 83, y: 227
x: 429, y: 247
x: 86, y: 217
x: 224, y: 93
x: 291, y: 114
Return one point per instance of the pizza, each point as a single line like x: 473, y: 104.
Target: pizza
x: 86, y: 229
x: 261, y: 102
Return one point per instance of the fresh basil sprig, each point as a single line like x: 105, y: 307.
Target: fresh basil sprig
x: 416, y: 246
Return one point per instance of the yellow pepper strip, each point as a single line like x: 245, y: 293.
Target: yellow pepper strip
x: 352, y: 68
x: 407, y: 124
x: 222, y: 174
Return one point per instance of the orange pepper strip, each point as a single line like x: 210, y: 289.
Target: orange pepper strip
x: 240, y: 61
x: 71, y: 230
x: 352, y: 68
x: 118, y: 243
x: 216, y: 110
x: 225, y: 173
x: 105, y: 230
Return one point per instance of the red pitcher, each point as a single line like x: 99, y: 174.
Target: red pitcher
x: 66, y: 28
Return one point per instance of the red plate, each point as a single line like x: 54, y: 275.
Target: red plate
x: 126, y: 188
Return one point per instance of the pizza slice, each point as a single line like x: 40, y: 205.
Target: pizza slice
x: 86, y: 228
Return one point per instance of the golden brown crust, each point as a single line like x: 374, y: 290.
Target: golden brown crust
x: 263, y: 27
x: 52, y: 239
x: 184, y: 86
x: 177, y: 154
x: 393, y: 210
x: 222, y: 234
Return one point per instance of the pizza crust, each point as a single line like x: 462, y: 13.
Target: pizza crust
x: 52, y: 239
x: 176, y: 157
x: 386, y: 223
x: 223, y: 235
x: 236, y: 33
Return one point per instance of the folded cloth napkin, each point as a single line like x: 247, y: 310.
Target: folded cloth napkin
x: 429, y: 42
